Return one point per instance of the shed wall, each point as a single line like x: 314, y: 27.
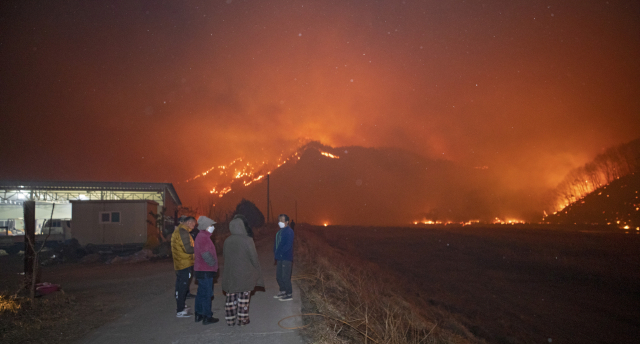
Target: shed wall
x: 132, y: 228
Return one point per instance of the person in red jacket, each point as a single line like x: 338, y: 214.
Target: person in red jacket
x: 206, y: 268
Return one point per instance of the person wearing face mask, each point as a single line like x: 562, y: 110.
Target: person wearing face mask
x: 283, y: 252
x: 206, y: 268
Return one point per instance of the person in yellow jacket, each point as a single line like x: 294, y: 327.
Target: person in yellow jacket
x: 182, y: 251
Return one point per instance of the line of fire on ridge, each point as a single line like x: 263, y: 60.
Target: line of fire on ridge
x: 248, y: 172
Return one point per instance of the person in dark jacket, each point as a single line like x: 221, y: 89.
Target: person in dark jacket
x: 283, y: 252
x: 242, y: 273
x: 206, y: 268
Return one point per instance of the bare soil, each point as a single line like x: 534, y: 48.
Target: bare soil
x: 93, y: 294
x: 512, y: 284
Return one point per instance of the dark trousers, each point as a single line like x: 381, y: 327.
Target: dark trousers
x: 182, y: 287
x: 283, y: 276
x: 205, y: 291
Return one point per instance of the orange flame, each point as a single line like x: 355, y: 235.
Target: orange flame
x: 329, y: 155
x: 247, y: 172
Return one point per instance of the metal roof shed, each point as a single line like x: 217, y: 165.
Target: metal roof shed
x: 86, y: 190
x: 61, y: 192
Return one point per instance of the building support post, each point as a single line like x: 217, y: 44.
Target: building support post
x: 29, y: 208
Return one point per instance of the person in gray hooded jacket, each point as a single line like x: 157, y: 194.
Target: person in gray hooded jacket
x: 241, y: 273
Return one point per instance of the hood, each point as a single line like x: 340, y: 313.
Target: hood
x: 236, y: 227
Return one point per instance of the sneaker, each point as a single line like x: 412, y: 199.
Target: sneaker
x: 286, y: 298
x: 280, y: 294
x: 183, y: 314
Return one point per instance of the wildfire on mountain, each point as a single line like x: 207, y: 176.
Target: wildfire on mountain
x: 241, y: 170
x: 615, y: 204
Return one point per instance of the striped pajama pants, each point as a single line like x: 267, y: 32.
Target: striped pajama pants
x: 237, y: 306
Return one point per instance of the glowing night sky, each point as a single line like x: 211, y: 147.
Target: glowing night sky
x: 160, y: 91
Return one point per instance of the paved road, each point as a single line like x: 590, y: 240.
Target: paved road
x: 156, y: 321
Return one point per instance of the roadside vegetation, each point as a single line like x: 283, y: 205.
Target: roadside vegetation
x: 348, y: 300
x: 26, y: 320
x: 91, y: 295
x: 43, y: 320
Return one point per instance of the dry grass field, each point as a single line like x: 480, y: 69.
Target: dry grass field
x: 505, y: 284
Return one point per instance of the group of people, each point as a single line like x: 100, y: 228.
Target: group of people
x: 242, y: 272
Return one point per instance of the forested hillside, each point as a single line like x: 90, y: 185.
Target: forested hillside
x: 614, y: 163
x: 615, y: 204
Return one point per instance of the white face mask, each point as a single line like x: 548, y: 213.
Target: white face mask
x: 281, y: 224
x: 210, y: 229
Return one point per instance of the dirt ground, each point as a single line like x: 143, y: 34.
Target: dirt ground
x: 513, y: 284
x: 95, y: 294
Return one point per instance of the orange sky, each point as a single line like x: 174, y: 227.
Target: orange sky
x: 161, y: 90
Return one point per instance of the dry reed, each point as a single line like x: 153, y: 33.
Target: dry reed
x: 358, y: 303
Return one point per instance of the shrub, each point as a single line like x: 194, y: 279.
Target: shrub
x: 250, y: 212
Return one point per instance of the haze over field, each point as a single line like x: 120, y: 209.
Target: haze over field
x: 163, y: 91
x: 378, y: 186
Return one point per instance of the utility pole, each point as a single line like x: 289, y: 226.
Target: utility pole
x: 268, y: 219
x: 271, y: 216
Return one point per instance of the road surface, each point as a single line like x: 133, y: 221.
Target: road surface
x: 156, y: 321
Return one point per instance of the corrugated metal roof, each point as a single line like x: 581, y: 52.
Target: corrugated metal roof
x: 84, y: 185
x: 114, y: 201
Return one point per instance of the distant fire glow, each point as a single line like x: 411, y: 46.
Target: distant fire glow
x: 508, y: 221
x: 467, y: 223
x: 330, y: 155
